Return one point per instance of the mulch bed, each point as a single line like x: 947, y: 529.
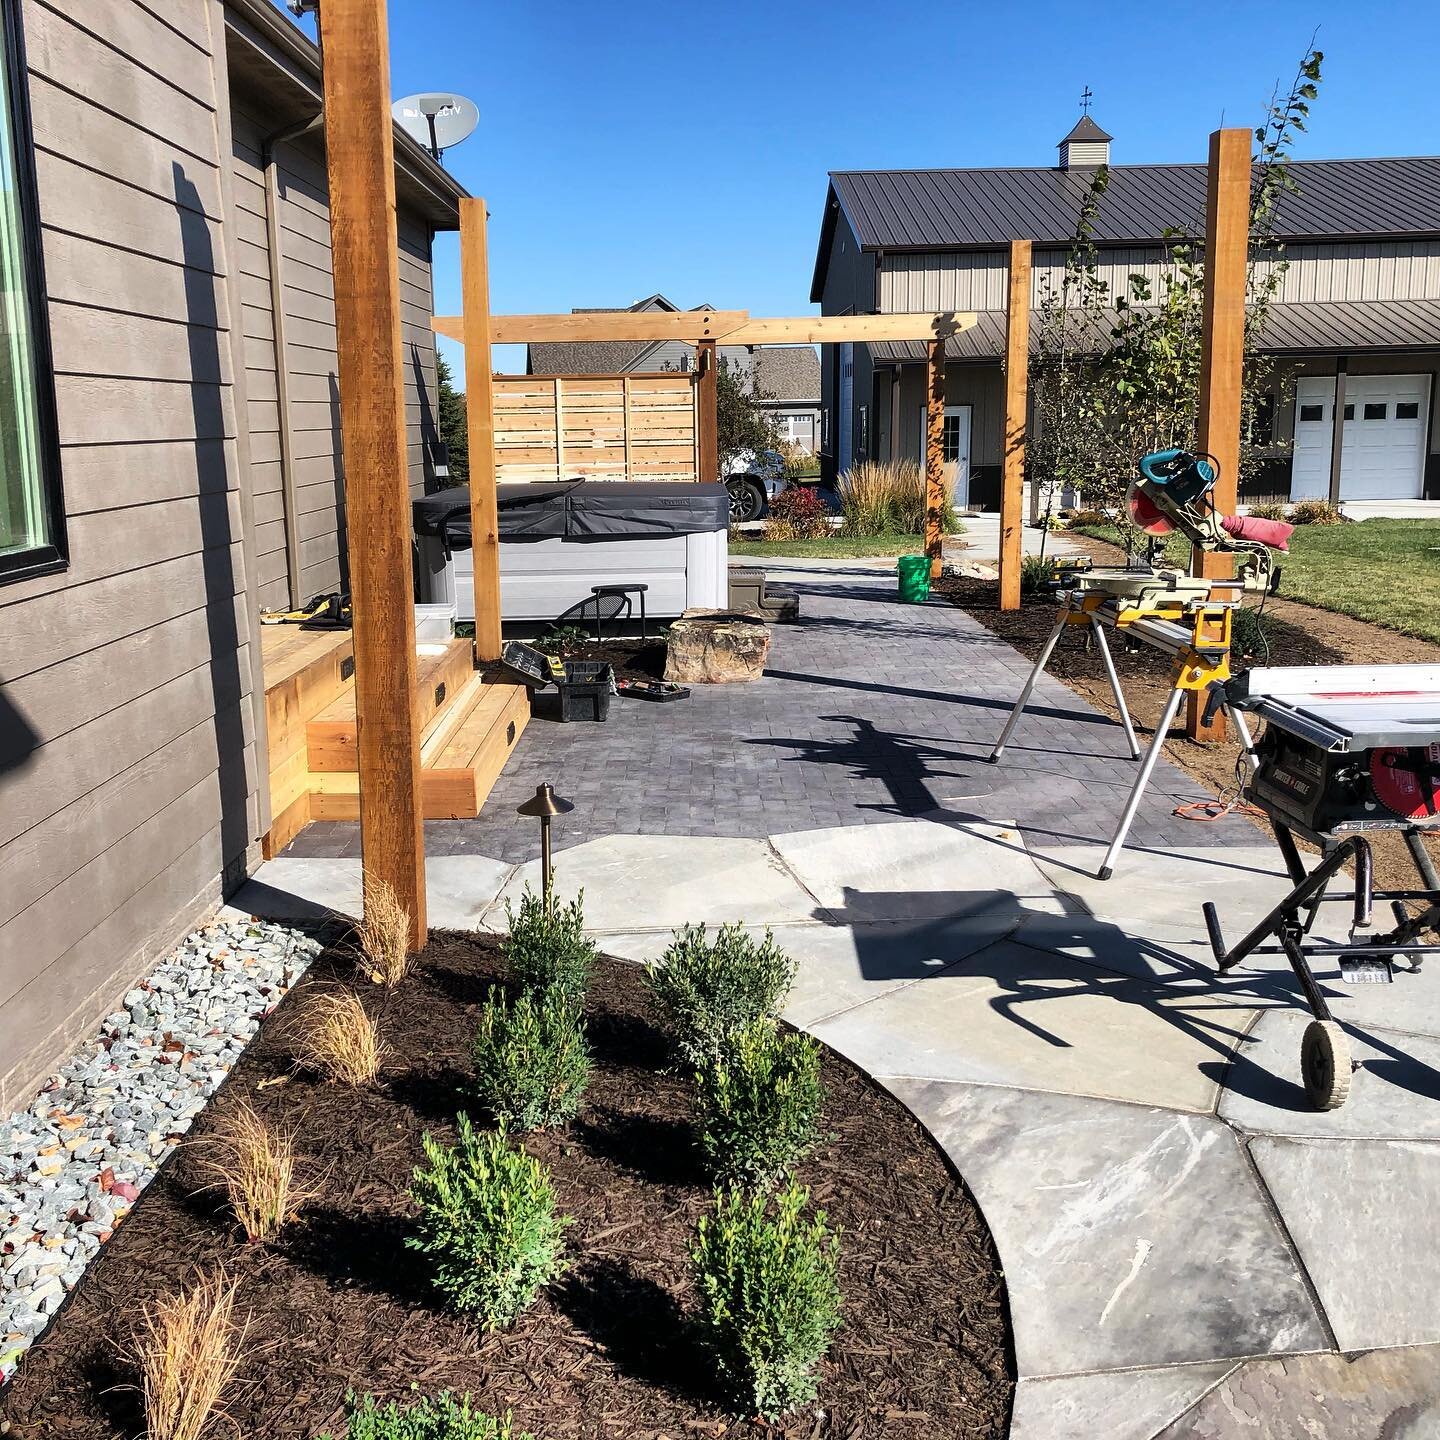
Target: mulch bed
x: 338, y: 1303
x: 1297, y: 635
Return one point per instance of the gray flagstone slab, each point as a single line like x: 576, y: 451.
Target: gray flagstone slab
x: 1011, y: 1015
x: 1362, y: 1214
x: 1395, y: 1095
x: 917, y: 870
x: 1130, y: 1236
x: 1381, y: 1395
x: 634, y: 882
x: 1158, y: 893
x: 1110, y: 1405
x: 840, y: 967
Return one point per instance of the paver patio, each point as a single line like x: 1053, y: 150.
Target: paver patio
x: 1186, y: 1246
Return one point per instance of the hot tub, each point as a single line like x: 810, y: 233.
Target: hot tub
x: 557, y: 541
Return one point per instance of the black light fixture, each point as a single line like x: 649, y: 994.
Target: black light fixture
x: 546, y: 804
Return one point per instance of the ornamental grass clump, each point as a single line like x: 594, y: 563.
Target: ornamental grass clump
x: 708, y: 991
x: 188, y: 1351
x: 440, y: 1417
x: 335, y: 1037
x: 255, y: 1165
x: 547, y: 948
x: 769, y: 1298
x: 758, y: 1105
x: 531, y: 1060
x: 890, y: 497
x: 384, y: 935
x: 487, y: 1223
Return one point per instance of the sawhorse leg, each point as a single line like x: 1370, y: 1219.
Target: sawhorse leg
x: 1147, y: 769
x: 1098, y: 630
x: 1035, y: 673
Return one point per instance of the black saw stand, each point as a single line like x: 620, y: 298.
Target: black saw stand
x: 1347, y: 749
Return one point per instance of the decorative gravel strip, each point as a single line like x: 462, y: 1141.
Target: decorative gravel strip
x: 72, y: 1164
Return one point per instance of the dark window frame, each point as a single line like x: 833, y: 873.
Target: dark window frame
x: 55, y: 555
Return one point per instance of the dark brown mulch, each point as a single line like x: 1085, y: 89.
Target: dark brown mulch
x: 632, y: 659
x: 1296, y: 634
x: 337, y: 1301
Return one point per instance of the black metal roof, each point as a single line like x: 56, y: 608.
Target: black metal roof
x: 1086, y: 129
x: 983, y: 209
x: 1296, y: 328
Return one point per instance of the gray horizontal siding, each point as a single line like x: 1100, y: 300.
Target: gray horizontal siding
x: 311, y: 358
x: 128, y: 782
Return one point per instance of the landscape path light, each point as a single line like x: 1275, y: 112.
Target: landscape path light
x: 546, y: 804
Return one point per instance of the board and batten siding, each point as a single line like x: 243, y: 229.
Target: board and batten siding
x: 312, y: 365
x: 976, y: 280
x: 128, y: 782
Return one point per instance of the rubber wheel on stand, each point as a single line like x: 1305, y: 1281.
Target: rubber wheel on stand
x: 1325, y: 1064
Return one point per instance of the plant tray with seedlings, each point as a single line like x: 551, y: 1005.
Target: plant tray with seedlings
x: 713, y: 1217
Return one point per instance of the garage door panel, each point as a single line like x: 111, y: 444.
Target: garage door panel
x: 1383, y: 456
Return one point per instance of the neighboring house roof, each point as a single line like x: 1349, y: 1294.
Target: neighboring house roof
x: 983, y: 209
x: 1298, y: 328
x: 596, y: 357
x: 788, y: 372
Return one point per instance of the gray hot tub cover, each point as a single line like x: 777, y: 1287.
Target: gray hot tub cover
x: 581, y: 510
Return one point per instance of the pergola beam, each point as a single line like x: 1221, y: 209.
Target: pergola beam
x: 732, y: 327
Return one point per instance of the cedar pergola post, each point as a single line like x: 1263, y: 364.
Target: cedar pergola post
x: 1017, y: 399
x: 480, y: 427
x: 1222, y: 361
x: 360, y: 159
x: 707, y: 429
x: 934, y: 452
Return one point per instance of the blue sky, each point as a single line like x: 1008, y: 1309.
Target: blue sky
x: 631, y: 146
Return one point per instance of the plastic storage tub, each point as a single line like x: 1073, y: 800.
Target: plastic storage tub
x: 585, y: 690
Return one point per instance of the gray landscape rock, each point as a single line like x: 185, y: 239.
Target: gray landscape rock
x: 73, y: 1163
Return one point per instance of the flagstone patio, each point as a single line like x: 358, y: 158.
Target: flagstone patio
x: 1189, y: 1250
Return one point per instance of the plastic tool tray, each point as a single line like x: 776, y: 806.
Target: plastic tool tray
x: 585, y: 686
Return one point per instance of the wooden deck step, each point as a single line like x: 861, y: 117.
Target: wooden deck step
x: 459, y: 763
x: 441, y: 673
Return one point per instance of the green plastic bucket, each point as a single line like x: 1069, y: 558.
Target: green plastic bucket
x: 914, y: 572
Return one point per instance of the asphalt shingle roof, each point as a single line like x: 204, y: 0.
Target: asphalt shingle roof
x: 788, y: 372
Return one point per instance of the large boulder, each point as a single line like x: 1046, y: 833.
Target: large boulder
x: 717, y: 647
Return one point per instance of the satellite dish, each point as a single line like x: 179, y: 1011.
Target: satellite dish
x: 436, y: 119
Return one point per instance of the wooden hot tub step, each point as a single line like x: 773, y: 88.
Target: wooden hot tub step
x: 441, y: 674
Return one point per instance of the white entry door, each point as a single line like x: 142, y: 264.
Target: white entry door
x: 956, y: 448
x: 1382, y: 453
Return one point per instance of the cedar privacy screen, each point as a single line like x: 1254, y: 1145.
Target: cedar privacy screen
x: 596, y: 427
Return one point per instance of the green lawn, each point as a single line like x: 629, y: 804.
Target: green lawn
x: 833, y: 546
x: 1385, y: 571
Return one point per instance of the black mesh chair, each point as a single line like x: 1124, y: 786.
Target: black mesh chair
x: 609, y: 602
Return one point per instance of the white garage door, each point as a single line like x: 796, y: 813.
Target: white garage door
x: 1383, y: 451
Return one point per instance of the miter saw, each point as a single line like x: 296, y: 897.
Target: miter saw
x: 1184, y: 616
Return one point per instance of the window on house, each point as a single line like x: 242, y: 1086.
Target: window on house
x: 1349, y: 412
x: 950, y: 444
x: 863, y: 445
x: 1407, y: 409
x: 1375, y: 411
x: 31, y: 532
x: 1312, y: 412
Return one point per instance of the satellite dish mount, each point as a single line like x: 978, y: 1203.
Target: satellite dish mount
x: 437, y: 119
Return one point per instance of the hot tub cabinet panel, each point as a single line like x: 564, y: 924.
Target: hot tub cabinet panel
x: 557, y: 542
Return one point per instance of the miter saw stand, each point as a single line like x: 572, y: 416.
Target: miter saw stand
x: 1184, y: 616
x: 1347, y: 749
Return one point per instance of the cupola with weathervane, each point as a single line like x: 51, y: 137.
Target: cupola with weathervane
x: 1087, y: 145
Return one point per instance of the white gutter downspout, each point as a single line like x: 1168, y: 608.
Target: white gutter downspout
x: 282, y: 360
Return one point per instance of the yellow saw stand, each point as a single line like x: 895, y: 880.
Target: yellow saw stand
x: 1183, y: 616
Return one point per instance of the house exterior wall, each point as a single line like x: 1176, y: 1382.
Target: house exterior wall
x: 976, y: 280
x: 128, y: 776
x: 849, y: 290
x: 309, y: 298
x: 982, y: 387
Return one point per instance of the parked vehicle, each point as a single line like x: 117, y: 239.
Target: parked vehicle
x: 754, y: 479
